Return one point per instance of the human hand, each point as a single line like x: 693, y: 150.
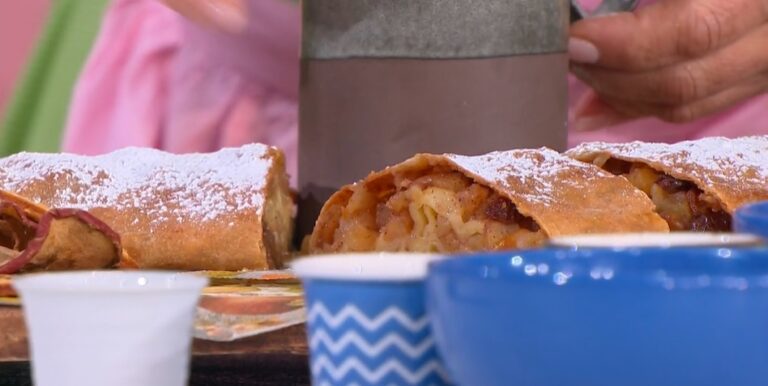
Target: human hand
x: 678, y: 60
x: 226, y: 15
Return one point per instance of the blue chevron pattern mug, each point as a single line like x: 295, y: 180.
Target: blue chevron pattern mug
x: 367, y: 322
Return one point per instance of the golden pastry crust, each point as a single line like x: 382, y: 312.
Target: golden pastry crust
x: 696, y: 185
x: 733, y: 170
x: 559, y: 195
x: 228, y: 210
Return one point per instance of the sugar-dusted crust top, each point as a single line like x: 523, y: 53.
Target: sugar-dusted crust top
x: 199, y: 187
x: 733, y: 170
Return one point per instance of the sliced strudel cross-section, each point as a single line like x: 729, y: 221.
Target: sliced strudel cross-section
x: 503, y: 200
x: 695, y: 185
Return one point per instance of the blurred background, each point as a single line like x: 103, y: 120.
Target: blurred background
x: 21, y: 22
x: 43, y: 46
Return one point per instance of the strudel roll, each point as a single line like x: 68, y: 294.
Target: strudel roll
x: 503, y: 200
x: 33, y: 238
x: 228, y: 210
x: 695, y: 185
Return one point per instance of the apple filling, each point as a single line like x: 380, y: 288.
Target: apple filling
x: 14, y: 235
x: 442, y: 211
x: 681, y: 203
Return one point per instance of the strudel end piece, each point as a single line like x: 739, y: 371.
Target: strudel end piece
x: 503, y: 200
x: 695, y: 185
x: 228, y: 210
x: 33, y: 238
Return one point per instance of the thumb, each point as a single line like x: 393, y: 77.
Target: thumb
x: 226, y: 15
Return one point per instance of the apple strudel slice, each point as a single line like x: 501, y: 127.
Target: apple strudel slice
x: 695, y: 185
x: 227, y: 210
x: 503, y: 200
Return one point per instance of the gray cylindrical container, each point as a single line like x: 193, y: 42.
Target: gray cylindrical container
x: 382, y: 80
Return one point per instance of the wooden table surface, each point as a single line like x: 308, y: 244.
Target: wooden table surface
x: 277, y: 358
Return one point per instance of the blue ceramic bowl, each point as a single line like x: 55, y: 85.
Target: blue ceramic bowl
x: 366, y: 321
x: 752, y: 219
x: 603, y: 317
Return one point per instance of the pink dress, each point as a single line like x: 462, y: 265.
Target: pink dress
x: 157, y: 80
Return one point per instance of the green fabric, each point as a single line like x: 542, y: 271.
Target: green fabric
x: 37, y: 113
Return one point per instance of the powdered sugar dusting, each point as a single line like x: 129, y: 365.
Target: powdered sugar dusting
x: 166, y: 187
x: 538, y: 170
x: 714, y: 160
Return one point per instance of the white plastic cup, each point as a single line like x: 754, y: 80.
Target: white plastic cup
x: 114, y: 328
